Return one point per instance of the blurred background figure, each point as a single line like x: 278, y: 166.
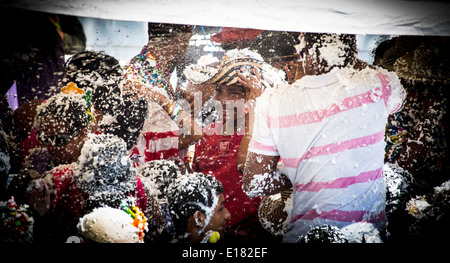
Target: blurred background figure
x: 33, y: 53
x: 417, y: 137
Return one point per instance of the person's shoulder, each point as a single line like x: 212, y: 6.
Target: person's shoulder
x: 281, y: 91
x: 385, y: 75
x: 367, y: 75
x: 374, y: 70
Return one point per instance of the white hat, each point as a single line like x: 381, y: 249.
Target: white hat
x: 108, y: 225
x: 232, y: 62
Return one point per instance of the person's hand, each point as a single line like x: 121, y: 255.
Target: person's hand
x: 159, y: 98
x: 206, y: 90
x: 140, y: 90
x: 252, y: 82
x: 294, y: 71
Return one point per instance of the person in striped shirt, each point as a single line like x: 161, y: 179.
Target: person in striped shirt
x: 328, y: 129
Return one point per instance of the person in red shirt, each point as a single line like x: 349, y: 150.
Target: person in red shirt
x: 216, y: 154
x: 239, y: 80
x: 64, y: 127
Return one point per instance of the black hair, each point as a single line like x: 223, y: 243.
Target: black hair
x: 271, y: 45
x: 69, y: 110
x: 162, y: 173
x: 323, y: 234
x: 88, y: 61
x: 100, y: 72
x: 388, y: 51
x: 103, y: 74
x: 190, y: 193
x: 131, y: 120
x: 104, y: 166
x: 105, y: 173
x: 157, y: 30
x: 315, y: 41
x: 111, y: 199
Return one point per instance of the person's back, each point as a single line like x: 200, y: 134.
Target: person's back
x: 328, y: 129
x: 329, y: 132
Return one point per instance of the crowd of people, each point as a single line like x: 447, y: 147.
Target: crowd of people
x: 293, y: 144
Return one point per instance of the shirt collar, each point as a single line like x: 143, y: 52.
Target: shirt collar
x: 317, y: 81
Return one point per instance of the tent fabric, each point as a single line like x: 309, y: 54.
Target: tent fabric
x: 393, y: 17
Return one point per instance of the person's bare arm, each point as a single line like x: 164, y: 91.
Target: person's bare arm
x: 261, y: 177
x: 245, y: 142
x: 202, y: 93
x: 192, y: 131
x: 254, y: 89
x: 242, y: 153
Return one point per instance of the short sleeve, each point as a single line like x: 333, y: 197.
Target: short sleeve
x: 262, y: 141
x: 393, y: 92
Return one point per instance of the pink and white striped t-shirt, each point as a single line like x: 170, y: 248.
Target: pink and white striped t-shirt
x: 329, y: 132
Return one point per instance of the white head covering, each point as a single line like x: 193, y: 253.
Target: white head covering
x: 232, y: 62
x: 108, y: 225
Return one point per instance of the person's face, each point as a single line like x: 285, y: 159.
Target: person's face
x: 219, y: 218
x: 230, y: 97
x: 63, y: 145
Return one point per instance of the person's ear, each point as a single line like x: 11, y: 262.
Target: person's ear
x: 200, y: 219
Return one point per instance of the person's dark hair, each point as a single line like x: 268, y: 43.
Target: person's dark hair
x: 105, y: 173
x: 69, y: 110
x: 100, y: 72
x: 324, y: 234
x: 343, y: 47
x: 111, y: 199
x: 104, y: 166
x: 103, y: 74
x: 388, y: 51
x: 87, y: 61
x: 380, y: 51
x: 271, y: 45
x: 190, y: 193
x: 162, y: 173
x: 162, y: 30
x: 131, y: 120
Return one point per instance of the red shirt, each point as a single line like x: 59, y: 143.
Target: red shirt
x: 158, y: 146
x: 27, y: 144
x: 67, y: 203
x: 66, y: 206
x: 217, y: 155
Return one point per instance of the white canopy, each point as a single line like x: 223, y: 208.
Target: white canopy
x: 389, y: 17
